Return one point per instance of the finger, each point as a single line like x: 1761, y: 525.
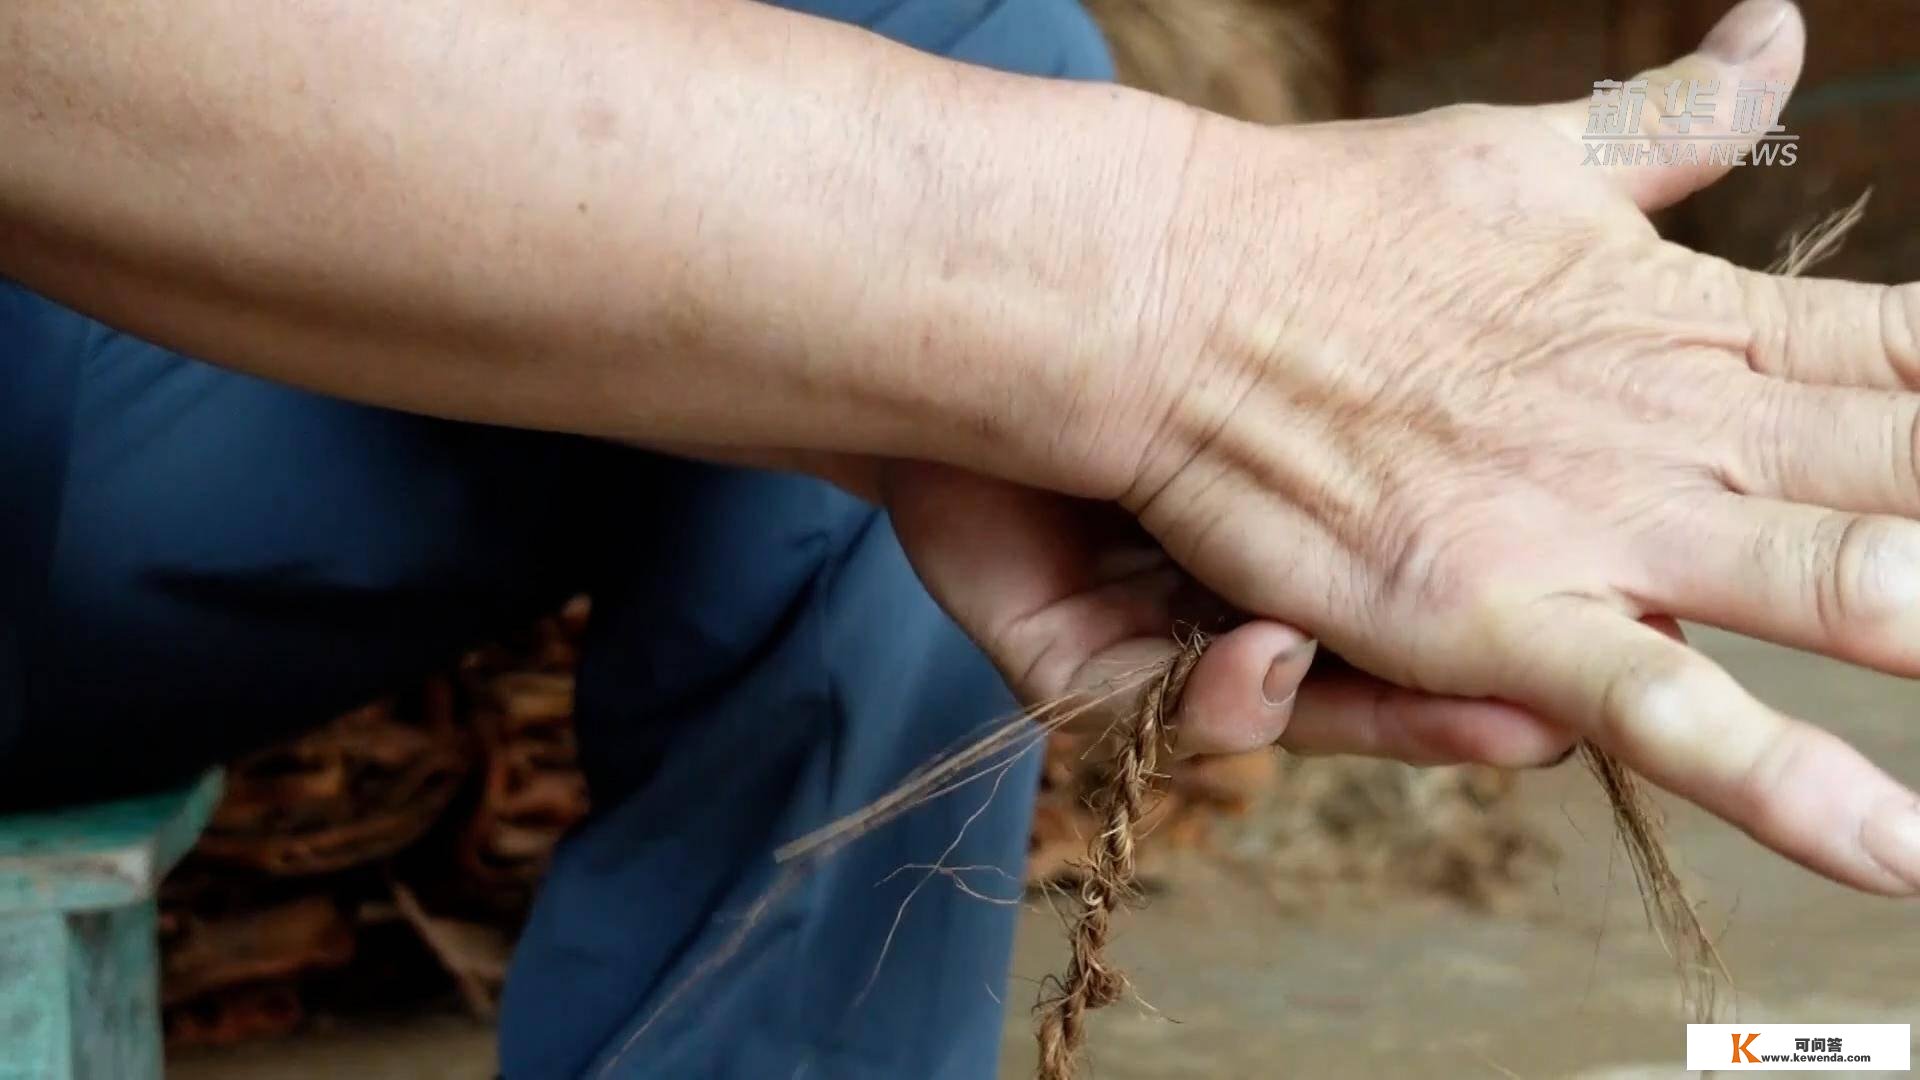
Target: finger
x: 1349, y: 712
x: 1814, y: 330
x: 1687, y: 726
x: 1238, y: 697
x: 1760, y: 43
x: 1846, y: 585
x: 1843, y: 448
x: 1242, y: 692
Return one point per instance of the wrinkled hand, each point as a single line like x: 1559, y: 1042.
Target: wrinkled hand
x: 1464, y: 417
x: 1070, y: 596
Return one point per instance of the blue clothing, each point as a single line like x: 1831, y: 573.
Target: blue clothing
x: 195, y: 562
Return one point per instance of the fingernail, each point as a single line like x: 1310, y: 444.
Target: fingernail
x: 1743, y: 32
x: 1282, y: 683
x: 1894, y: 842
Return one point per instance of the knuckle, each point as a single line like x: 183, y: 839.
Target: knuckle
x: 1649, y: 704
x: 1755, y: 798
x: 1770, y: 349
x: 1872, y: 577
x: 1900, y: 330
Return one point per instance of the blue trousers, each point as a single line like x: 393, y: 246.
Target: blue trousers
x: 195, y: 562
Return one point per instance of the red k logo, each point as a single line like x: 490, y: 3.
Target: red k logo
x: 1740, y: 1047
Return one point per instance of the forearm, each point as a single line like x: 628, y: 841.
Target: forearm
x: 714, y: 223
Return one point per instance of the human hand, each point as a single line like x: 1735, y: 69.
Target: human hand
x: 1068, y: 597
x: 1462, y: 415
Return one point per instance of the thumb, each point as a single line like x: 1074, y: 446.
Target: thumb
x: 1238, y: 697
x: 1669, y: 132
x: 1241, y: 694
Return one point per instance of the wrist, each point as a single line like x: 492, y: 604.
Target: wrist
x: 1039, y: 325
x: 1227, y: 261
x: 1140, y: 307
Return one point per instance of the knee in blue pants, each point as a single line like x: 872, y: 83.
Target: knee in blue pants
x: 667, y: 941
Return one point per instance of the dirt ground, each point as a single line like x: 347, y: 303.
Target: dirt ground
x: 1576, y: 987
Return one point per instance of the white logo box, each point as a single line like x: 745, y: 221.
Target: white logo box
x: 1732, y: 1048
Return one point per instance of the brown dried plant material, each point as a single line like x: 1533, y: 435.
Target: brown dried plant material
x: 1110, y: 880
x: 270, y: 944
x: 1108, y: 876
x: 1199, y: 794
x: 360, y: 788
x: 1804, y: 251
x: 236, y: 1014
x: 465, y: 793
x: 474, y: 955
x: 533, y: 790
x: 1670, y: 912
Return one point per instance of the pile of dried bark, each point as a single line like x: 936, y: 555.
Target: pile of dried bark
x: 396, y: 848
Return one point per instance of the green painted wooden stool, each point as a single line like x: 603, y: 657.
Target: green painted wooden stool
x: 79, y: 960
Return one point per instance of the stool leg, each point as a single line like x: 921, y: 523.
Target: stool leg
x: 36, y: 1039
x: 113, y: 982
x: 79, y: 995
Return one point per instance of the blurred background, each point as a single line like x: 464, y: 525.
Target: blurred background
x: 1287, y: 61
x: 354, y: 903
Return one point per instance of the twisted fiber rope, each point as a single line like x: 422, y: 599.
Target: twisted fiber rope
x: 1110, y: 881
x: 1109, y: 877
